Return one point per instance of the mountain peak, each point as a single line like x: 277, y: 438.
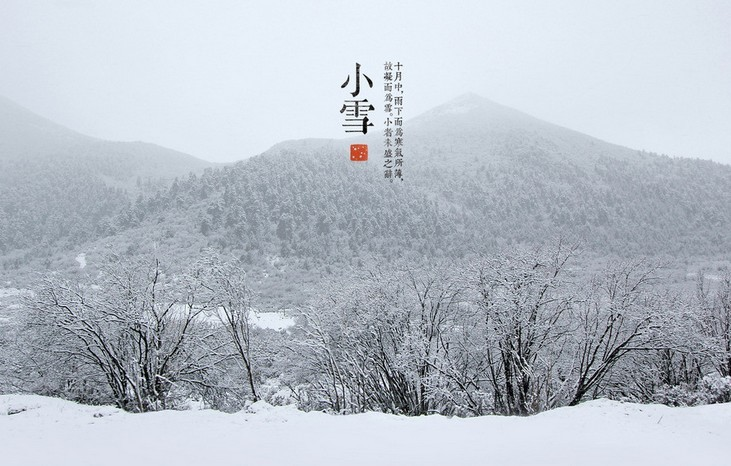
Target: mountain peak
x: 484, y: 127
x: 463, y: 104
x: 471, y: 109
x: 472, y: 113
x: 467, y: 97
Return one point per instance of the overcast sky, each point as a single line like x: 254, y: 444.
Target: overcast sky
x: 224, y: 80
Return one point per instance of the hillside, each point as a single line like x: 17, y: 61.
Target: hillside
x: 58, y: 186
x: 479, y: 177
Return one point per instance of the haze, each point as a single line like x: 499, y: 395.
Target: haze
x: 226, y: 80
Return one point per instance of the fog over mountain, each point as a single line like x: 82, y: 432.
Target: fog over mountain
x: 57, y: 186
x: 478, y: 177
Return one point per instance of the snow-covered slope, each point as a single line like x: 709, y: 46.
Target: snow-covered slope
x: 44, y: 431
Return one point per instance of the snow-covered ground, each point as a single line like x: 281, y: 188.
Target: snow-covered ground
x: 46, y: 431
x: 5, y: 292
x: 81, y: 259
x: 272, y: 320
x: 9, y: 298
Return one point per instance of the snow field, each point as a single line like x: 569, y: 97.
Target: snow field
x: 46, y: 431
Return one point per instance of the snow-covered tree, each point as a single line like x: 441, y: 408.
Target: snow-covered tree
x: 134, y: 325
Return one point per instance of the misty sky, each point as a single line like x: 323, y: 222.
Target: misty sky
x: 224, y: 80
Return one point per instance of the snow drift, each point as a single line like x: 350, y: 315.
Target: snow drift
x: 37, y: 430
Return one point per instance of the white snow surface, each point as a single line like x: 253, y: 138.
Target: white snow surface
x: 272, y: 320
x: 275, y: 320
x: 5, y: 292
x: 81, y: 259
x: 55, y: 432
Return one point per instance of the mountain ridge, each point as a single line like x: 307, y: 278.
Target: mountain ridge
x: 489, y: 187
x: 24, y: 133
x: 20, y: 129
x: 59, y: 185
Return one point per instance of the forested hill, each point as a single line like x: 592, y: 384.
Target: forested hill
x: 58, y: 186
x: 479, y: 177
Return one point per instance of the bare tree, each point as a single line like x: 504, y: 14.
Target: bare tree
x: 523, y: 307
x: 226, y: 281
x: 382, y: 343
x: 615, y: 318
x: 134, y: 324
x: 715, y: 308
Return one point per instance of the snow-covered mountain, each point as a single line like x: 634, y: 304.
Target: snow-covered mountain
x: 478, y: 176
